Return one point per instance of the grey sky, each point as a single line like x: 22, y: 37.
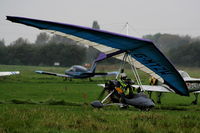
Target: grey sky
x: 144, y: 16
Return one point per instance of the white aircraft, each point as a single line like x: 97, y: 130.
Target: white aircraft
x: 193, y: 85
x: 189, y: 79
x: 9, y: 73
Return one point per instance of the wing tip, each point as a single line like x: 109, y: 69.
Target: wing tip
x: 183, y: 93
x: 11, y: 18
x: 38, y: 71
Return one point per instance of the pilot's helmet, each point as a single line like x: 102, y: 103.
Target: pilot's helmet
x: 123, y: 76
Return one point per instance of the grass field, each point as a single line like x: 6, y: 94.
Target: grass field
x: 33, y: 103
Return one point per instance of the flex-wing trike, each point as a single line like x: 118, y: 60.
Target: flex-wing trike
x: 116, y: 96
x: 141, y: 53
x: 116, y: 93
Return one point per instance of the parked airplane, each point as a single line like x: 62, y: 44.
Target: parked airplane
x: 140, y: 53
x: 189, y: 80
x: 193, y: 85
x: 9, y: 73
x: 80, y: 72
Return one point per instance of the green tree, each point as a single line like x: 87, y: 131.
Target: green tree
x: 166, y: 42
x: 186, y: 55
x: 20, y: 41
x: 42, y: 38
x: 2, y: 42
x: 95, y: 25
x: 21, y: 52
x: 3, y: 52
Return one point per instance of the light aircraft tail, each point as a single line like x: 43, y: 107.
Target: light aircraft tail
x: 93, y: 68
x: 103, y: 56
x: 94, y: 64
x: 100, y: 57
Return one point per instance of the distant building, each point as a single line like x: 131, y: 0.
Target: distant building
x: 56, y: 63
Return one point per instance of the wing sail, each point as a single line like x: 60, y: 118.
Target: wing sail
x: 141, y: 50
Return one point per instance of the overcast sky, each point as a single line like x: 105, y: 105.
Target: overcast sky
x: 144, y: 16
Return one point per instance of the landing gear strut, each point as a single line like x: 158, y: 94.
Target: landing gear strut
x: 196, y: 99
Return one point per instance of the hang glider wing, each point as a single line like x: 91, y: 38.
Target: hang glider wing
x: 9, y: 73
x: 144, y: 53
x: 54, y: 74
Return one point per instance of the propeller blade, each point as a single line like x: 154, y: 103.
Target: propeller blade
x: 102, y: 93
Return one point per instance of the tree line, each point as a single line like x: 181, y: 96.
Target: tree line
x: 180, y: 50
x: 44, y: 52
x: 48, y: 49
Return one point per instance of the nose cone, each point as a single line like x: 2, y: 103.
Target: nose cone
x: 66, y: 72
x: 146, y: 102
x: 140, y: 101
x: 97, y: 104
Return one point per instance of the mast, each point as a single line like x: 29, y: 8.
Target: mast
x: 127, y: 32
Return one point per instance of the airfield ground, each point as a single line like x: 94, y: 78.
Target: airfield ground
x: 35, y: 103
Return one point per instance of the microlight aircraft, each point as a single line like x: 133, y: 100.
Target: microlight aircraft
x: 140, y: 53
x: 80, y: 72
x: 193, y: 85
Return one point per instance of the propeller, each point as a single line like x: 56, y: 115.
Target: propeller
x: 102, y: 93
x: 109, y: 86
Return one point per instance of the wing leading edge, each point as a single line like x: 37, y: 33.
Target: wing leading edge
x: 54, y: 74
x: 143, y: 51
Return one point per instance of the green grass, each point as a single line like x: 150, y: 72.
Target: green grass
x: 35, y: 103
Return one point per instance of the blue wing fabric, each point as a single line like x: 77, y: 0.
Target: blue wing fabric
x: 142, y: 50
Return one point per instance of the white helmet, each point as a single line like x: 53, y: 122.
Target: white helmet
x: 123, y: 75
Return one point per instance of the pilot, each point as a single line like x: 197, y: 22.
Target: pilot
x: 126, y: 85
x: 155, y: 81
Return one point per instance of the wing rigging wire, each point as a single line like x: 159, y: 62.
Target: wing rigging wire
x: 122, y: 64
x: 135, y: 72
x: 128, y: 58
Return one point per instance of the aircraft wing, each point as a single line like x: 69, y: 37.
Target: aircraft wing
x: 9, y: 73
x: 144, y: 53
x: 54, y: 74
x: 191, y: 80
x: 162, y: 88
x: 196, y: 92
x: 156, y: 88
x: 115, y: 73
x: 153, y: 88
